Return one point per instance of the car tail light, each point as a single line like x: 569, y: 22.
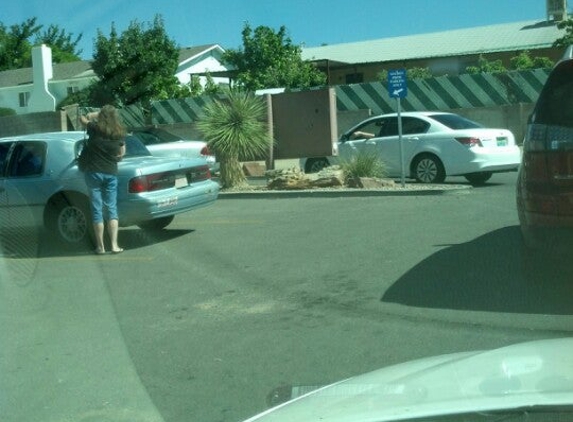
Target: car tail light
x: 151, y: 183
x: 179, y: 179
x: 205, y: 151
x: 470, y: 141
x: 198, y: 174
x: 548, y: 153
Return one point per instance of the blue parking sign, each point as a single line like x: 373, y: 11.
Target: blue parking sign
x: 397, y: 86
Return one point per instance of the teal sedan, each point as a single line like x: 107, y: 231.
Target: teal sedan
x: 40, y: 184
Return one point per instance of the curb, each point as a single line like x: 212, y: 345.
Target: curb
x: 339, y: 193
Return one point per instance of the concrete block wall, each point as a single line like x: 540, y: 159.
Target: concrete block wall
x: 23, y: 124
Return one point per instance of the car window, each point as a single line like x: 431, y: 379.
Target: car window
x: 454, y: 121
x: 134, y: 147
x: 388, y: 127
x: 413, y: 126
x: 555, y: 106
x: 28, y: 159
x: 147, y: 138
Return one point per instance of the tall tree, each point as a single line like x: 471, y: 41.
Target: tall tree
x: 135, y: 67
x: 269, y: 59
x: 64, y: 46
x: 16, y: 44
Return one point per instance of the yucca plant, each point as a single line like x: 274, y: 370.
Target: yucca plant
x: 235, y: 130
x: 363, y: 165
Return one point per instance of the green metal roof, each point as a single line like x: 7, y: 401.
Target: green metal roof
x: 517, y: 36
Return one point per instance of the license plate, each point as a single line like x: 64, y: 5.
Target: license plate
x: 181, y: 182
x: 168, y: 202
x: 501, y: 141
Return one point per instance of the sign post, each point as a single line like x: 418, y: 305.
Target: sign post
x: 398, y: 88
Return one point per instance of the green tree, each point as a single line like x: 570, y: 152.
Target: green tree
x: 16, y: 45
x: 567, y: 39
x: 524, y: 61
x: 269, y: 59
x: 235, y: 131
x: 486, y: 66
x: 135, y: 67
x: 64, y: 46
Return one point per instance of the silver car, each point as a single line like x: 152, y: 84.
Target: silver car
x: 166, y: 144
x: 40, y: 183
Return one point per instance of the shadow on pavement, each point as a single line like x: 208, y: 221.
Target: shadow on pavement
x: 491, y: 273
x: 34, y: 242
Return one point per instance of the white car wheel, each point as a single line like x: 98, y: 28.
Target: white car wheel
x: 429, y: 169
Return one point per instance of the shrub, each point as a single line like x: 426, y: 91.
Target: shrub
x: 364, y: 165
x: 7, y: 112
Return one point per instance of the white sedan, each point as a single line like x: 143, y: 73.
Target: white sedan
x: 435, y: 145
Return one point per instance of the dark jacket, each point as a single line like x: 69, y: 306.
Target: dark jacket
x: 102, y: 153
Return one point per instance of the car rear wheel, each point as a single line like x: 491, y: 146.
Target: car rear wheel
x: 428, y: 168
x: 68, y: 218
x: 477, y: 179
x: 314, y: 165
x: 156, y: 224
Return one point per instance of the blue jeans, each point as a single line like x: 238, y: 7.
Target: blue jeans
x: 103, y: 195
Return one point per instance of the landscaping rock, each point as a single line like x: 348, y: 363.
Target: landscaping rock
x: 369, y: 183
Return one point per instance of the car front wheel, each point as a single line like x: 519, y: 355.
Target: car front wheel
x: 428, y: 168
x: 68, y: 218
x: 314, y: 165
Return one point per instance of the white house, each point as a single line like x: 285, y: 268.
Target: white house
x: 43, y: 86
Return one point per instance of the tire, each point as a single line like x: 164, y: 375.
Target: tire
x: 428, y: 168
x: 478, y: 179
x: 68, y: 219
x: 156, y: 224
x: 314, y: 165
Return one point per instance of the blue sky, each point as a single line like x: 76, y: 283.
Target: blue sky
x: 309, y: 22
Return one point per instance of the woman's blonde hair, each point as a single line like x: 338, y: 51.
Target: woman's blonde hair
x: 109, y: 123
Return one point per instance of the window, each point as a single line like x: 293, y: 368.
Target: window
x: 72, y: 89
x: 24, y: 99
x: 4, y: 148
x: 28, y: 159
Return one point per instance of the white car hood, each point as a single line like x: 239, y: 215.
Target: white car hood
x: 522, y: 375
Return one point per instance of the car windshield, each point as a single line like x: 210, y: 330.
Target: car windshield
x: 326, y: 211
x: 455, y: 122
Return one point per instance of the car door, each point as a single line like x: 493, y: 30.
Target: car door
x: 5, y: 148
x: 23, y: 198
x: 369, y: 138
x: 387, y: 145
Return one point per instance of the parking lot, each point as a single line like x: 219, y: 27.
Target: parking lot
x: 234, y: 306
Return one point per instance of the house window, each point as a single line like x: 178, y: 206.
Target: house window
x: 354, y: 78
x: 72, y: 89
x: 24, y: 99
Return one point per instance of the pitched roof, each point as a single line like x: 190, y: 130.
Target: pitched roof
x: 62, y: 71
x: 191, y: 52
x: 517, y: 36
x: 81, y: 69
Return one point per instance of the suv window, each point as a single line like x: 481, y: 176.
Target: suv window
x: 555, y: 104
x: 4, y: 149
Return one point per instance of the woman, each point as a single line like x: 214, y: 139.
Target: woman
x: 105, y: 147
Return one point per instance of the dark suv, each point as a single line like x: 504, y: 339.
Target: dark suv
x: 545, y: 181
